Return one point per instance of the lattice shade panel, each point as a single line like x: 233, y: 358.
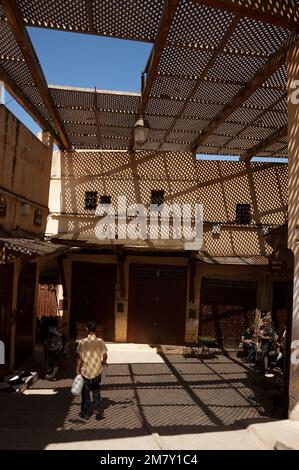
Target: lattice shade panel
x: 197, y: 24
x: 96, y: 119
x: 257, y: 38
x: 9, y: 48
x: 207, y: 58
x: 219, y: 186
x: 279, y: 149
x: 203, y: 68
x: 137, y: 20
x: 13, y: 69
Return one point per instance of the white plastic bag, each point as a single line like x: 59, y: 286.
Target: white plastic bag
x: 104, y: 370
x: 77, y: 385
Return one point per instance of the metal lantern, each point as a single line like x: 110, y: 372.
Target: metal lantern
x: 141, y: 130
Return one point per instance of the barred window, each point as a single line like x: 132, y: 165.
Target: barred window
x: 91, y: 200
x: 105, y: 199
x: 157, y: 197
x: 243, y: 214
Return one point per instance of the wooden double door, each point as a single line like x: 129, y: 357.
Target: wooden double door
x: 227, y: 308
x: 24, y: 337
x: 25, y: 317
x: 157, y: 304
x: 93, y: 298
x: 6, y: 288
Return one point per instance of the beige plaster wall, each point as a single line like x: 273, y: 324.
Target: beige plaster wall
x: 25, y: 166
x: 219, y: 186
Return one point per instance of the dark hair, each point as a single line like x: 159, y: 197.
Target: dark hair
x: 92, y: 326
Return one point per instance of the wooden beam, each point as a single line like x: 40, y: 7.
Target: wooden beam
x: 25, y: 102
x: 121, y: 257
x: 155, y: 57
x: 262, y: 146
x: 60, y: 264
x: 97, y: 117
x: 15, y: 21
x: 11, y: 58
x: 90, y: 15
x: 192, y: 274
x: 221, y: 81
x: 276, y: 60
x: 232, y: 51
x: 282, y: 13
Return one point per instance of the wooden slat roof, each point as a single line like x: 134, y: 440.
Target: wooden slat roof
x: 216, y: 78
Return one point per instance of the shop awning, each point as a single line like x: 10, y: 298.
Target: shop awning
x: 12, y: 248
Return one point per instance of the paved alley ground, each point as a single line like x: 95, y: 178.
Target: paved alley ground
x: 152, y: 401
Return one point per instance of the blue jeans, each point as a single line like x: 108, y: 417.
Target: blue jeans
x: 91, y: 385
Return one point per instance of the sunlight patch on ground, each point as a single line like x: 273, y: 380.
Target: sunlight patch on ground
x: 128, y: 443
x: 130, y: 353
x: 40, y: 391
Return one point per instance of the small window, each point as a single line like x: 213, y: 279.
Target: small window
x: 3, y: 206
x: 38, y: 218
x: 243, y: 214
x: 157, y: 197
x: 91, y: 200
x: 105, y: 199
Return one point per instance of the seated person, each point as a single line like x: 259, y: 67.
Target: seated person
x: 247, y: 339
x: 280, y: 348
x: 268, y: 343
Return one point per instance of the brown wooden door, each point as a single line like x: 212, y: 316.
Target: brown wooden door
x: 6, y: 287
x: 280, y: 302
x: 93, y: 297
x: 227, y: 308
x: 25, y: 315
x: 157, y: 304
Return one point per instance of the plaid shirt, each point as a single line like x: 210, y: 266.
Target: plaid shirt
x: 91, y: 350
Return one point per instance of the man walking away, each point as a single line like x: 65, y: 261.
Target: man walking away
x: 92, y: 356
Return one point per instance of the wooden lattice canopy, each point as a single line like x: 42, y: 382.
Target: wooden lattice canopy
x: 215, y: 81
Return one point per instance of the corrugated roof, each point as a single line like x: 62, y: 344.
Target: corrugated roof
x: 258, y: 260
x: 79, y: 240
x: 30, y: 247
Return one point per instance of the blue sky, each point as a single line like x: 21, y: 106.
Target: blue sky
x: 86, y: 61
x: 79, y: 60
